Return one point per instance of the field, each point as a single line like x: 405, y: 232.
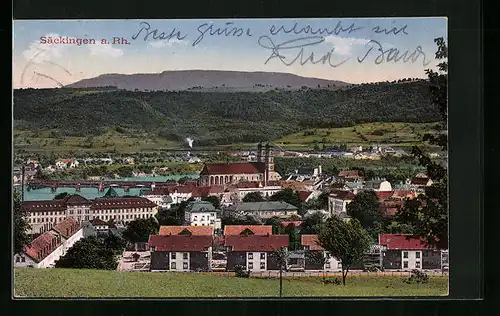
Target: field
x: 396, y: 134
x: 96, y: 283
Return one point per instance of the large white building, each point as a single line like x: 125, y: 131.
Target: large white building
x: 43, y: 215
x: 46, y: 249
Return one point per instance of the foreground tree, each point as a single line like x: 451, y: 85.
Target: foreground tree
x: 140, y: 229
x: 346, y: 241
x: 88, y: 253
x: 281, y: 256
x: 21, y: 225
x: 311, y: 224
x: 253, y: 197
x: 366, y: 209
x: 428, y: 214
x: 276, y: 223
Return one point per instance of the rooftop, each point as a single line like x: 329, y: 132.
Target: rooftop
x: 402, y: 242
x: 193, y: 230
x: 180, y: 243
x: 233, y: 168
x: 256, y: 242
x: 310, y: 241
x: 233, y: 230
x: 263, y: 206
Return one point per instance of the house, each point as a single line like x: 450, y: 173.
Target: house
x: 67, y: 163
x: 338, y: 200
x: 99, y: 225
x: 241, y: 189
x: 180, y: 252
x: 265, y: 209
x: 349, y: 175
x: 159, y: 196
x: 259, y: 230
x: 316, y: 258
x: 202, y: 213
x: 378, y: 185
x: 46, y: 249
x: 186, y: 230
x: 407, y: 252
x: 421, y: 181
x: 226, y: 173
x: 254, y: 252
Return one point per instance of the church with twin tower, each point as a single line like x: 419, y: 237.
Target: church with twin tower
x: 227, y: 173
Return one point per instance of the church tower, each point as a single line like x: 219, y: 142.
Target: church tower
x: 269, y: 161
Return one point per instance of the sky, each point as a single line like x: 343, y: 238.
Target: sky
x: 350, y: 50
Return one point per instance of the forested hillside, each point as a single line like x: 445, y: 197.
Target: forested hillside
x: 222, y: 118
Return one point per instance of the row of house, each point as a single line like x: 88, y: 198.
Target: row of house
x: 46, y: 214
x: 46, y: 249
x: 253, y: 247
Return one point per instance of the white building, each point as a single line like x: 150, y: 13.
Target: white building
x: 242, y: 189
x: 46, y: 249
x: 337, y: 201
x: 202, y: 213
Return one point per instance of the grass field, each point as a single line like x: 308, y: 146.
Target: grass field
x: 397, y: 134
x: 96, y: 283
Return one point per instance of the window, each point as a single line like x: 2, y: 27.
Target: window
x: 172, y: 266
x: 417, y: 264
x: 263, y: 255
x: 185, y: 255
x: 405, y: 254
x: 405, y: 264
x: 417, y: 254
x: 262, y: 265
x: 327, y: 265
x: 173, y: 255
x: 339, y: 265
x: 23, y: 259
x: 18, y: 259
x: 185, y: 265
x: 250, y: 255
x: 250, y: 265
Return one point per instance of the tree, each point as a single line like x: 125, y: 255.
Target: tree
x: 253, y: 197
x: 276, y: 223
x: 114, y: 242
x: 61, y: 196
x: 346, y: 241
x: 311, y: 224
x: 140, y: 229
x: 281, y: 256
x: 88, y: 253
x: 428, y: 214
x: 319, y: 203
x: 287, y: 195
x: 21, y: 225
x: 366, y: 209
x: 212, y: 199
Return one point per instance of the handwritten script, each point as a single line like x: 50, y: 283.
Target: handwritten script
x: 303, y: 44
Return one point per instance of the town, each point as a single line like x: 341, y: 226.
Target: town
x: 195, y: 221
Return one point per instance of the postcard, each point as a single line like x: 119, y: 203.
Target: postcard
x: 230, y: 158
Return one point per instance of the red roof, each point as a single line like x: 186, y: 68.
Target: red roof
x: 233, y: 168
x: 402, y: 242
x: 180, y: 243
x: 343, y: 195
x: 207, y: 190
x: 67, y: 227
x: 293, y: 223
x: 384, y: 195
x: 234, y: 230
x: 76, y: 199
x: 194, y: 230
x: 256, y: 242
x: 303, y: 195
x: 349, y: 174
x: 122, y: 203
x: 310, y: 241
x: 42, y: 246
x: 403, y: 194
x: 419, y: 181
x: 44, y: 206
x: 97, y: 221
x: 247, y: 185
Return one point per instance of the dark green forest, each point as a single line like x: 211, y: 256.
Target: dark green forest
x: 219, y: 117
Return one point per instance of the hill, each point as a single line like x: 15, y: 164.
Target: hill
x: 100, y: 283
x: 216, y: 118
x: 205, y: 79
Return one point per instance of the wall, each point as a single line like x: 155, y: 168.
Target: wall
x: 431, y: 259
x: 179, y: 261
x: 27, y: 261
x: 235, y: 258
x: 195, y: 219
x: 259, y: 263
x: 160, y: 261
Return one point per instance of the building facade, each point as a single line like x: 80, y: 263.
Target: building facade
x: 202, y: 213
x: 266, y: 209
x: 337, y: 202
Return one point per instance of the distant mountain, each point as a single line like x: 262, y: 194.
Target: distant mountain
x: 206, y: 80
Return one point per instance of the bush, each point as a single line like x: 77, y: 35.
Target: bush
x: 417, y: 276
x: 241, y: 272
x: 334, y: 281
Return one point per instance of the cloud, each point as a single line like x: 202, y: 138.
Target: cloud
x: 105, y: 49
x: 168, y: 43
x: 39, y: 52
x: 344, y: 45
